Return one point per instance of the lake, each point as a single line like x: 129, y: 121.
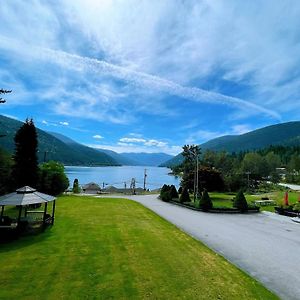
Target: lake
x: 117, y: 176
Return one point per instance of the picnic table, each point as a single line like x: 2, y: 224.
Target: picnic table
x: 265, y: 202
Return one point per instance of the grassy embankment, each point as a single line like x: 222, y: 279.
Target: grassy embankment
x: 117, y: 249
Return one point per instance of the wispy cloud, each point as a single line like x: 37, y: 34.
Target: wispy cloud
x: 132, y: 140
x: 178, y: 60
x: 98, y: 137
x: 241, y: 128
x: 139, y: 79
x: 129, y: 147
x: 64, y: 123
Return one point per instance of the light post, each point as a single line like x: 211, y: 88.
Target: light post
x: 196, y: 176
x: 248, y: 179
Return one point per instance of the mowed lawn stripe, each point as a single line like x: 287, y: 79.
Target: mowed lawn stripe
x: 117, y: 249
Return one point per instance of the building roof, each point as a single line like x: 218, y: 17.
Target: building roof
x: 91, y: 186
x: 25, y: 196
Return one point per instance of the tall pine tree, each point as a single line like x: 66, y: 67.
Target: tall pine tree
x: 25, y: 169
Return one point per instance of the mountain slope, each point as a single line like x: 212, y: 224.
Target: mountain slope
x: 120, y: 159
x: 148, y: 159
x: 51, y: 148
x: 128, y: 159
x: 280, y: 134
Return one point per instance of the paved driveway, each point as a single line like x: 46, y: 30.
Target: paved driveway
x: 266, y: 246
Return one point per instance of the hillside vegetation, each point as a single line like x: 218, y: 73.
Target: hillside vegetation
x: 51, y: 148
x: 286, y: 134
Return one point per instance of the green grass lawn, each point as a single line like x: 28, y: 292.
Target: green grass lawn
x: 117, y: 249
x: 225, y: 199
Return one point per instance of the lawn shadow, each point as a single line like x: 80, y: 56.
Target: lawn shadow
x: 13, y: 241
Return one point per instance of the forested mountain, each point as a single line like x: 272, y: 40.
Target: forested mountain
x: 127, y: 159
x: 147, y: 159
x: 120, y: 159
x: 286, y: 134
x: 52, y: 148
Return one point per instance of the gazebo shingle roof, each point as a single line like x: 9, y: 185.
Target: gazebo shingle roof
x: 25, y: 196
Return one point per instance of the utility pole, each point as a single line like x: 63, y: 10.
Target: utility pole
x: 145, y: 177
x: 248, y: 179
x: 132, y: 186
x: 45, y: 156
x: 197, y: 176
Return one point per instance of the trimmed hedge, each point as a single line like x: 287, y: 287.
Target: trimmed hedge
x: 205, y: 202
x: 184, y: 197
x: 240, y: 202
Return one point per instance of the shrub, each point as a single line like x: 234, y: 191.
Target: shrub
x: 240, y: 202
x: 164, y: 188
x: 53, y: 179
x: 166, y: 196
x: 184, y: 197
x: 165, y: 193
x: 205, y: 201
x: 297, y: 207
x: 173, y: 192
x: 180, y: 190
x: 76, y: 187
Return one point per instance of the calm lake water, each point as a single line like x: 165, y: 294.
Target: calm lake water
x: 117, y: 176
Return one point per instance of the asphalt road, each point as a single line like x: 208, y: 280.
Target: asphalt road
x: 265, y: 245
x: 291, y: 186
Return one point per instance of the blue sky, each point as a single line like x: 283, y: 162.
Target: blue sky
x: 150, y: 76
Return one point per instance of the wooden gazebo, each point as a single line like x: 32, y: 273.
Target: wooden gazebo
x: 24, y: 198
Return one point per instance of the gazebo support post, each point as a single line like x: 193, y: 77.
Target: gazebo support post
x: 53, y: 212
x: 25, y: 211
x: 20, y: 213
x: 45, y: 212
x: 2, y: 211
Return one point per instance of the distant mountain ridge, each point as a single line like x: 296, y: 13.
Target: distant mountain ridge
x: 147, y: 159
x: 56, y: 146
x: 117, y: 157
x: 287, y: 134
x: 52, y: 148
x: 127, y: 159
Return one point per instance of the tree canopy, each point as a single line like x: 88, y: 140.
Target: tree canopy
x: 25, y: 168
x: 2, y: 91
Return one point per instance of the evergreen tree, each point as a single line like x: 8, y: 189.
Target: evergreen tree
x: 184, y: 197
x: 76, y: 188
x: 240, y: 202
x: 205, y: 201
x: 25, y: 169
x: 165, y: 193
x: 180, y: 190
x: 173, y: 192
x: 5, y: 172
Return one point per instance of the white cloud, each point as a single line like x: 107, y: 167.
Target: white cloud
x: 128, y: 147
x: 201, y: 136
x: 98, y: 137
x: 241, y: 129
x: 184, y: 43
x: 64, y: 123
x: 155, y: 143
x: 12, y: 117
x: 135, y: 78
x: 132, y: 140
